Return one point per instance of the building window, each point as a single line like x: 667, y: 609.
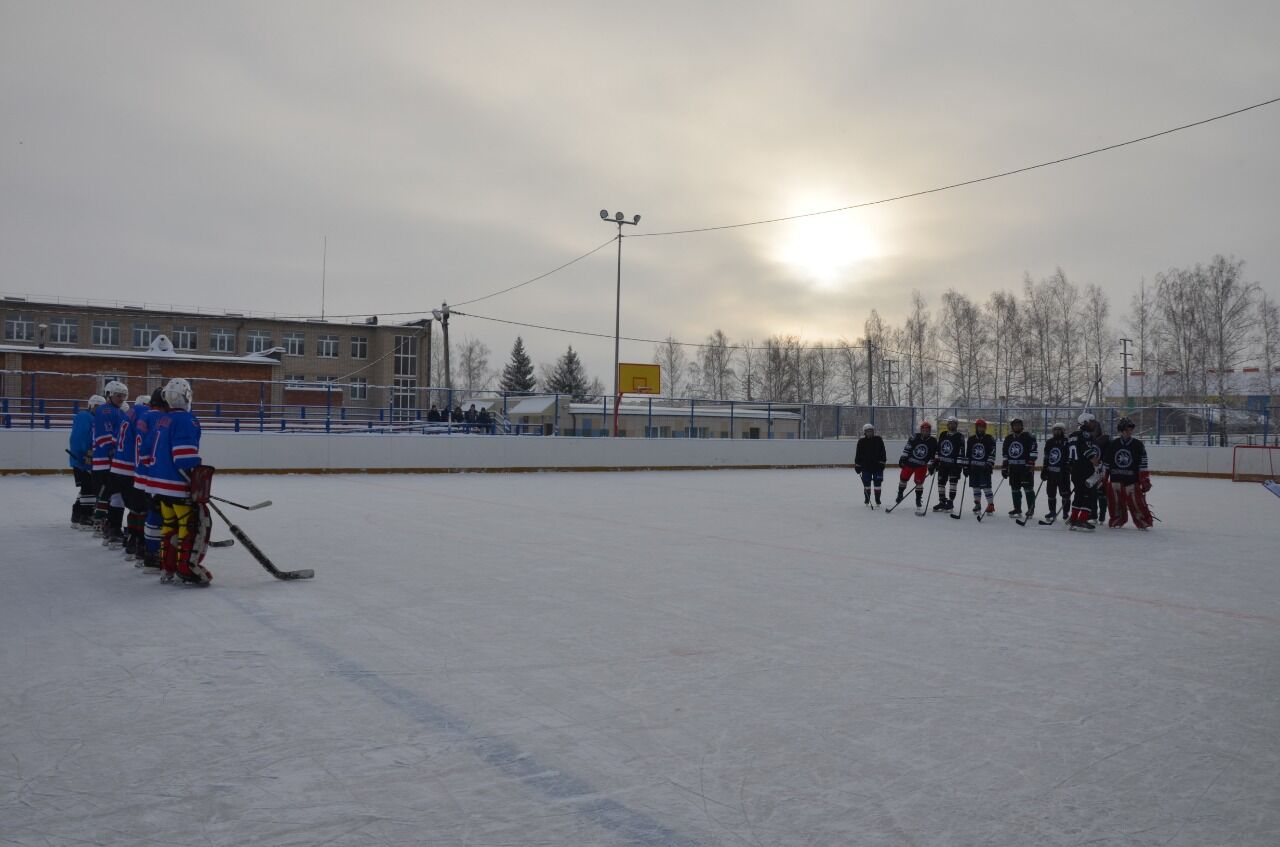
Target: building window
x: 359, y: 347
x: 360, y: 388
x: 144, y: 334
x: 327, y: 346
x: 222, y: 340
x: 64, y: 331
x: 406, y: 356
x: 404, y: 398
x: 184, y: 338
x: 105, y: 334
x: 295, y: 344
x: 19, y: 328
x: 294, y: 380
x: 257, y: 341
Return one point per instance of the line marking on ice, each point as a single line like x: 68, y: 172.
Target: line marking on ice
x: 505, y: 756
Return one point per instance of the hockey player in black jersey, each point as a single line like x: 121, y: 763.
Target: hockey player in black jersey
x: 868, y: 461
x: 1128, y: 481
x: 1019, y: 465
x: 917, y: 461
x: 1100, y: 440
x: 950, y: 461
x: 980, y: 458
x: 1085, y: 463
x: 1056, y: 474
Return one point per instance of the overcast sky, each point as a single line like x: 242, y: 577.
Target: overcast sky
x: 200, y: 153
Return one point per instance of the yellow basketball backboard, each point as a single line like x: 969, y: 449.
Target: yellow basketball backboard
x: 639, y: 379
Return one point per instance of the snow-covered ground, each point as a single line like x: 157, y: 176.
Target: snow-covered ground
x: 701, y: 658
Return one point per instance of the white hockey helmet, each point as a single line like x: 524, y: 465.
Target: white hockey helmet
x: 143, y: 400
x: 177, y: 393
x: 952, y: 419
x: 1085, y: 417
x: 1058, y: 425
x: 95, y: 401
x: 868, y: 427
x: 115, y: 387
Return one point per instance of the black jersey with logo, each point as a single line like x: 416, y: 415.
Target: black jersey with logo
x: 951, y: 448
x: 919, y: 450
x: 1055, y: 454
x: 1019, y: 450
x: 1125, y: 459
x: 981, y: 451
x: 1081, y: 451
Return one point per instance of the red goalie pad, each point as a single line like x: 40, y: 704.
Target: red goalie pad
x: 1117, y: 503
x: 1137, y: 502
x: 201, y: 477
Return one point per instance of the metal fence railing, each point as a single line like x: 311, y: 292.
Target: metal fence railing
x: 44, y: 400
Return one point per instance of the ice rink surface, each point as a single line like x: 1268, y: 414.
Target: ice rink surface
x: 692, y: 658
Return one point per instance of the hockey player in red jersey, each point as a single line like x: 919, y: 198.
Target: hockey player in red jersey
x: 1128, y: 480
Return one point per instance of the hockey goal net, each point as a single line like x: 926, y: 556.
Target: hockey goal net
x: 1252, y: 463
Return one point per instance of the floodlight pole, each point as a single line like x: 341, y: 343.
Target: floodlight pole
x: 618, y: 219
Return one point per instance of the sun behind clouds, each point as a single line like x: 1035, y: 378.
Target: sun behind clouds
x: 826, y: 250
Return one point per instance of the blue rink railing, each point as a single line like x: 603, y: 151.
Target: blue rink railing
x: 410, y: 411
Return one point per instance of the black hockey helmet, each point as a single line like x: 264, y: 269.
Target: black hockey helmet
x: 1016, y: 422
x: 157, y: 399
x: 1123, y: 424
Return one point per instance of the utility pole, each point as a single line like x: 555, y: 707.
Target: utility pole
x: 617, y: 313
x: 442, y: 315
x: 871, y: 397
x: 1124, y: 364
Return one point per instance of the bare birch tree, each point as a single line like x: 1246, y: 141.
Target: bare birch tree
x: 716, y: 363
x: 670, y: 356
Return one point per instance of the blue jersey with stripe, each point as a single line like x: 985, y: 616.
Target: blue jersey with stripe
x: 106, y: 423
x: 81, y: 444
x: 125, y: 457
x: 175, y: 448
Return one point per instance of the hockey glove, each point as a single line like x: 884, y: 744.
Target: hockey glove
x: 1044, y: 475
x: 857, y: 468
x: 1098, y: 476
x: 1144, y: 482
x: 965, y: 471
x: 1004, y: 472
x: 933, y: 468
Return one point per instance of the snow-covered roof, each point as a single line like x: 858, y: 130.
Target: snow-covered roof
x: 532, y: 406
x: 150, y: 353
x: 699, y: 411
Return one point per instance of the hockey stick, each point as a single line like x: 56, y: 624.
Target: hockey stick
x: 923, y: 511
x: 1023, y: 520
x: 258, y: 554
x: 264, y: 504
x: 955, y: 516
x: 999, y: 485
x: 897, y: 502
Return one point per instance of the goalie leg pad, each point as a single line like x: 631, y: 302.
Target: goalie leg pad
x: 1117, y: 504
x: 1137, y: 502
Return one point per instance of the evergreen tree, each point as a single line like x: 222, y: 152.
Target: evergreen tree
x: 568, y: 377
x: 517, y: 376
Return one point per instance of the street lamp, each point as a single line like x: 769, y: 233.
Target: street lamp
x: 619, y: 219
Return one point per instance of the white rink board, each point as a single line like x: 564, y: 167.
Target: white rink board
x: 729, y: 658
x: 42, y: 450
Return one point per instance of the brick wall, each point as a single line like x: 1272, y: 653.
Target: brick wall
x: 142, y: 376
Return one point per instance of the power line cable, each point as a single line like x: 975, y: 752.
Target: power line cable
x: 964, y: 183
x: 881, y: 348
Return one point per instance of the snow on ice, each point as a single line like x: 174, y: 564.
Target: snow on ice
x: 694, y: 658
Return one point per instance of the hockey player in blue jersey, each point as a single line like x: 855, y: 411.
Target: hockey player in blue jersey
x: 109, y: 510
x: 153, y: 525
x: 123, y: 464
x: 174, y: 458
x: 80, y: 448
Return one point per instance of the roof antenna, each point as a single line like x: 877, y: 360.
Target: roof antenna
x: 324, y: 263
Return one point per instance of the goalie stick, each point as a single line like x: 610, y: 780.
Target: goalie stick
x: 258, y: 554
x: 264, y: 504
